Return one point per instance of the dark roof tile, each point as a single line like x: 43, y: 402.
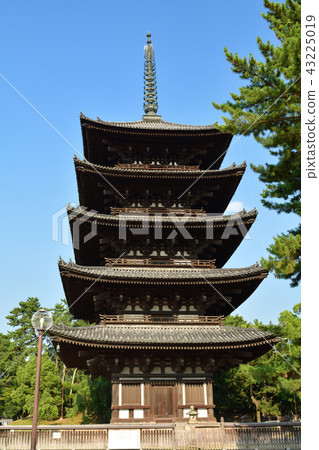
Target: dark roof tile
x: 153, y: 125
x: 168, y: 273
x: 209, y: 335
x: 216, y: 219
x: 212, y: 173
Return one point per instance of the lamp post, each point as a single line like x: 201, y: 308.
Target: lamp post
x: 41, y: 321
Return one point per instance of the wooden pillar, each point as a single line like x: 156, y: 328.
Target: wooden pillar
x: 210, y: 400
x: 147, y: 401
x: 115, y: 402
x: 180, y: 399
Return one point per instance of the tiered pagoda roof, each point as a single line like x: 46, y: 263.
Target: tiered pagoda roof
x: 160, y: 336
x: 164, y: 336
x: 96, y: 177
x: 104, y: 141
x: 101, y: 187
x: 233, y: 286
x: 210, y: 230
x: 155, y: 300
x: 194, y: 338
x: 155, y: 274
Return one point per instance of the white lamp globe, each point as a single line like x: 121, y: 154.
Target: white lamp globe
x: 42, y: 320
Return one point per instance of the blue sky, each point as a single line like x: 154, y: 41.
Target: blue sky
x: 67, y: 57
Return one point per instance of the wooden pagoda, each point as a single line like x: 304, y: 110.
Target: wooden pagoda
x: 150, y: 242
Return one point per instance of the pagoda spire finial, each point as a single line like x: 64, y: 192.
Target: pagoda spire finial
x: 150, y: 85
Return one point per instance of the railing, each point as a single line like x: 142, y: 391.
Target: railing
x: 54, y: 438
x: 229, y: 437
x: 152, y: 211
x: 262, y: 436
x: 127, y: 262
x: 195, y: 263
x: 156, y: 167
x: 157, y: 319
x: 209, y: 263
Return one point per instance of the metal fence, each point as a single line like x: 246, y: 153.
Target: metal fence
x: 226, y: 436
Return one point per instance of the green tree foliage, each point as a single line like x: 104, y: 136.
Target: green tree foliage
x: 18, y: 365
x: 23, y: 335
x: 101, y: 399
x: 16, y: 346
x: 269, y: 385
x: 269, y: 108
x: 61, y: 314
x: 285, y: 256
x: 92, y: 398
x: 50, y: 388
x: 80, y: 398
x: 7, y: 374
x: 290, y: 347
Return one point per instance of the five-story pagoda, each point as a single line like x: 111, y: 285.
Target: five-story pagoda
x: 150, y: 242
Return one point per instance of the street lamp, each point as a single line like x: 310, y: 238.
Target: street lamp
x: 41, y: 321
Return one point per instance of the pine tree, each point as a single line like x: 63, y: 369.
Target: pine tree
x: 269, y: 385
x: 7, y: 374
x: 23, y: 334
x: 50, y: 388
x: 284, y: 259
x: 269, y: 108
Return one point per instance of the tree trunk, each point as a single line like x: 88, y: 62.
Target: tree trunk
x: 72, y: 383
x: 295, y: 403
x: 62, y: 400
x: 256, y: 403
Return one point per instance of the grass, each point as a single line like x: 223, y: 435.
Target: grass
x: 76, y: 420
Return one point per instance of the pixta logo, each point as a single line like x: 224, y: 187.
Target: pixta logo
x: 169, y: 226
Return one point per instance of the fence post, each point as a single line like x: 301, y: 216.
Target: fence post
x: 222, y: 433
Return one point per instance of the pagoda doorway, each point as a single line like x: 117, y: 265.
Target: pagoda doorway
x: 163, y: 402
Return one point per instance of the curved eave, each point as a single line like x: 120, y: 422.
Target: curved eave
x: 93, y: 178
x: 82, y: 283
x: 198, y: 347
x: 110, y: 220
x: 150, y: 275
x: 97, y: 133
x: 117, y: 172
x: 220, y: 246
x: 85, y: 357
x: 151, y: 128
x: 167, y: 337
x: 80, y: 351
